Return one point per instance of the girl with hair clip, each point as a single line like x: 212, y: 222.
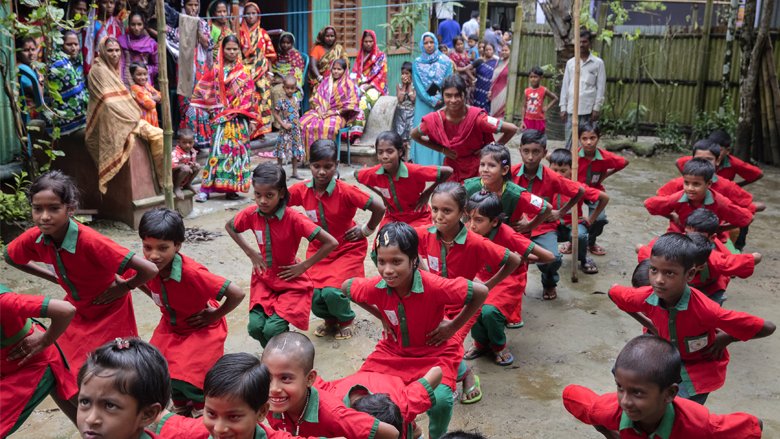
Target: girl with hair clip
x: 259, y: 53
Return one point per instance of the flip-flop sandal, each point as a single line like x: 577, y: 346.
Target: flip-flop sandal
x: 515, y: 325
x: 550, y: 294
x: 597, y: 250
x: 344, y: 333
x: 476, y: 387
x: 474, y: 353
x: 324, y: 330
x: 504, y: 362
x: 589, y: 267
x: 565, y: 248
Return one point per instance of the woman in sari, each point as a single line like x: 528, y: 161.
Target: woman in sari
x: 485, y: 68
x: 288, y: 62
x: 138, y: 47
x: 220, y: 25
x: 428, y: 73
x: 101, y: 23
x: 29, y: 79
x: 322, y: 55
x: 258, y: 53
x: 227, y: 91
x: 499, y: 87
x: 69, y: 114
x: 370, y: 73
x: 113, y: 118
x: 335, y: 102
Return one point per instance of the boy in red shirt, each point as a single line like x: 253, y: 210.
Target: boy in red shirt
x: 545, y: 183
x: 647, y: 373
x: 729, y: 166
x: 184, y: 162
x: 697, y: 326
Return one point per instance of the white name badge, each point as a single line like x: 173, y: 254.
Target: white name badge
x: 392, y: 317
x: 259, y: 236
x: 157, y: 301
x: 537, y: 202
x: 312, y: 214
x: 382, y: 190
x: 695, y: 344
x: 595, y: 178
x: 433, y: 263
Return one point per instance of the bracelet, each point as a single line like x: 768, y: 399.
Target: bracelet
x: 366, y: 231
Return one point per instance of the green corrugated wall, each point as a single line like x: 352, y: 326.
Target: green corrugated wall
x: 9, y: 144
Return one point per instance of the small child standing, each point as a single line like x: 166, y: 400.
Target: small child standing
x: 184, y: 162
x: 534, y: 109
x: 280, y: 292
x: 473, y: 47
x: 287, y: 113
x: 192, y: 330
x: 144, y: 93
x: 403, y: 118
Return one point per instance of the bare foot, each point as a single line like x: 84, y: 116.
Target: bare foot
x: 179, y: 194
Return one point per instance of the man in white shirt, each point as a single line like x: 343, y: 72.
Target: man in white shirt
x: 471, y: 27
x: 593, y: 82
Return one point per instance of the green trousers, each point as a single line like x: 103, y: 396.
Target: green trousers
x: 263, y: 327
x: 184, y: 391
x: 332, y: 305
x: 489, y: 331
x: 440, y: 414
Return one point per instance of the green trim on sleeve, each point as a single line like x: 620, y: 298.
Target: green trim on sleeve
x: 438, y: 174
x: 162, y: 422
x: 233, y: 225
x: 45, y: 307
x: 529, y: 250
x: 314, y: 233
x: 368, y: 203
x: 374, y: 429
x: 348, y: 291
x: 505, y: 258
x: 500, y: 125
x: 12, y: 340
x: 125, y: 261
x: 428, y: 389
x: 469, y: 293
x: 222, y: 290
x: 8, y: 259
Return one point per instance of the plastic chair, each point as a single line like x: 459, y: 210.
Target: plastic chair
x: 344, y: 131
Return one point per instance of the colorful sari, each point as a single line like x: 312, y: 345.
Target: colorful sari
x: 427, y: 70
x: 462, y: 60
x: 258, y: 50
x: 228, y: 92
x: 95, y: 32
x: 324, y: 57
x: 71, y: 113
x: 138, y: 49
x: 332, y: 101
x: 482, y: 86
x: 499, y: 89
x: 369, y: 69
x: 290, y: 63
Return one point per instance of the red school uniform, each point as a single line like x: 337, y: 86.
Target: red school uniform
x: 401, y: 192
x: 678, y: 202
x: 18, y: 384
x: 683, y: 418
x: 591, y: 171
x: 326, y: 416
x: 412, y: 318
x: 86, y: 264
x: 334, y: 211
x: 189, y: 289
x: 690, y: 326
x: 591, y: 196
x: 730, y: 167
x: 173, y: 426
x: 725, y: 187
x: 515, y: 200
x: 278, y: 237
x: 546, y: 184
x: 466, y: 138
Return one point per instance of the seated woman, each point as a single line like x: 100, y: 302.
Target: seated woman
x: 114, y: 119
x: 70, y: 109
x: 334, y: 104
x: 325, y: 51
x: 370, y: 73
x: 288, y: 62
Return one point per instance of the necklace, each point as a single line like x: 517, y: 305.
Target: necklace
x: 300, y: 418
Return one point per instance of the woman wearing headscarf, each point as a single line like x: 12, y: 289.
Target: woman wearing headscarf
x: 30, y: 81
x: 428, y: 73
x: 334, y: 104
x: 69, y: 113
x: 113, y: 118
x: 137, y: 47
x: 101, y: 23
x: 288, y: 62
x: 258, y: 51
x: 227, y: 92
x: 500, y: 83
x: 325, y: 51
x: 370, y: 74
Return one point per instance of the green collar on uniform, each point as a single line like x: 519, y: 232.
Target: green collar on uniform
x: 597, y: 156
x: 329, y: 189
x: 725, y: 163
x: 417, y: 285
x: 708, y: 199
x: 664, y: 430
x: 460, y: 238
x: 69, y: 242
x: 312, y: 413
x: 175, y: 268
x: 403, y: 171
x: 682, y: 304
x: 539, y: 172
x: 279, y: 214
x: 356, y: 386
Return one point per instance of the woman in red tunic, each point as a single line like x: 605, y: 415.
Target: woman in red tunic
x: 459, y: 131
x: 32, y: 365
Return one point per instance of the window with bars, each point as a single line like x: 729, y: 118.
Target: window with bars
x: 399, y: 39
x: 345, y: 17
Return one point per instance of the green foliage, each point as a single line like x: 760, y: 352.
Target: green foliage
x: 724, y: 118
x: 401, y: 25
x: 14, y: 207
x: 616, y: 123
x: 618, y: 15
x: 670, y: 135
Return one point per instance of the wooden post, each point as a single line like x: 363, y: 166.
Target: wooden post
x: 602, y: 24
x: 704, y: 59
x: 514, y: 58
x: 483, y: 12
x: 575, y: 137
x: 162, y: 75
x: 725, y: 79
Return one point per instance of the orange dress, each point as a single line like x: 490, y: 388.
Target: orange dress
x: 146, y: 97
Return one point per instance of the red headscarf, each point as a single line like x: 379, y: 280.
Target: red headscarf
x: 371, y: 67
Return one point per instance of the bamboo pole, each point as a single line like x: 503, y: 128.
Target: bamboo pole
x: 162, y: 62
x: 575, y: 137
x: 704, y: 59
x: 514, y: 59
x: 483, y: 12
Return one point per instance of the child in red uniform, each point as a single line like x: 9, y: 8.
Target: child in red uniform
x: 86, y: 265
x: 401, y: 185
x: 647, y: 373
x: 32, y: 366
x: 545, y: 183
x: 192, y: 330
x: 299, y: 408
x: 534, y: 109
x: 184, y: 162
x: 697, y: 176
x: 729, y: 166
x: 505, y: 299
x: 411, y: 303
x: 560, y: 162
x: 123, y: 387
x: 281, y: 292
x: 696, y: 325
x: 331, y: 204
x: 594, y: 166
x: 495, y: 164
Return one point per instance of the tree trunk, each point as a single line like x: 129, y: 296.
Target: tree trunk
x: 728, y: 57
x: 747, y: 84
x: 558, y: 15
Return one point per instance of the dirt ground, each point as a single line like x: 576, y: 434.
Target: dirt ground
x: 573, y: 339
